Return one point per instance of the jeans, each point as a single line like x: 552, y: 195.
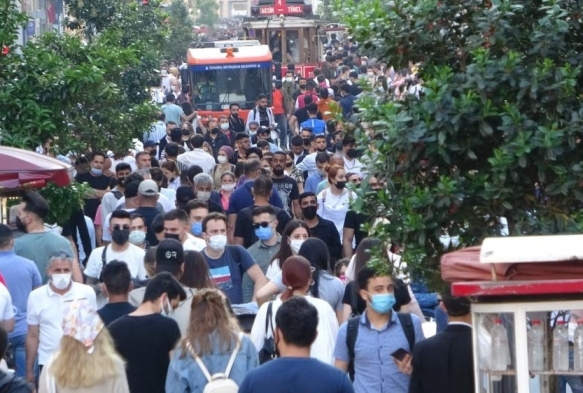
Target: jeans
x: 282, y: 125
x: 574, y: 381
x: 19, y: 347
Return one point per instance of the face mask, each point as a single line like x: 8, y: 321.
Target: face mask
x: 217, y: 242
x: 309, y: 212
x: 215, y: 131
x: 96, y: 172
x: 196, y: 228
x: 289, y: 164
x: 288, y: 79
x: 222, y: 159
x: 302, y: 86
x: 264, y: 233
x: 340, y: 185
x: 381, y: 89
x: 224, y: 126
x: 166, y: 309
x: 228, y: 187
x: 120, y: 236
x: 383, y: 303
x: 137, y: 237
x: 322, y: 172
x: 174, y: 236
x: 61, y: 281
x: 351, y: 153
x: 295, y: 245
x: 20, y: 225
x: 306, y: 141
x: 342, y: 277
x: 252, y: 133
x: 370, y: 73
x: 203, y: 195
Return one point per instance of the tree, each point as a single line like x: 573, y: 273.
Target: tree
x: 326, y: 11
x: 208, y: 12
x: 498, y: 131
x: 181, y: 31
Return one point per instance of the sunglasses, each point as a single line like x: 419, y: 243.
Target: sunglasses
x: 263, y: 224
x: 117, y: 227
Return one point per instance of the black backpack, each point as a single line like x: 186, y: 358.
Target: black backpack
x: 117, y: 194
x: 352, y: 332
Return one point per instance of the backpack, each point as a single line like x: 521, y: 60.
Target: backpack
x: 352, y: 332
x: 220, y: 382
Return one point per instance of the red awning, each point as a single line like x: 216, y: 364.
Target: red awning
x: 26, y: 169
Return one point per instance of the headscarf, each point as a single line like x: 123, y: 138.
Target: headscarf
x: 82, y: 323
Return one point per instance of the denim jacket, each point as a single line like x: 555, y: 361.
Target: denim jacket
x: 184, y: 375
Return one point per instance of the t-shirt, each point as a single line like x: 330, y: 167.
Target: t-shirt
x: 149, y: 213
x: 112, y: 311
x: 318, y: 126
x: 354, y: 221
x: 302, y: 115
x: 244, y: 225
x: 288, y: 191
x: 6, y: 309
x: 227, y: 273
x: 306, y: 375
x: 172, y: 112
x: 145, y: 343
x: 133, y: 256
x: 39, y: 246
x: 242, y: 198
x: 97, y: 183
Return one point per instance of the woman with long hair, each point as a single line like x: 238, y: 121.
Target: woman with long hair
x: 333, y: 202
x: 292, y: 237
x: 196, y: 272
x: 228, y: 184
x: 297, y: 275
x: 224, y: 157
x: 172, y: 174
x: 212, y: 339
x: 86, y: 361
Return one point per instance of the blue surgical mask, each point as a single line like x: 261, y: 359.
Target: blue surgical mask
x: 196, y: 228
x: 383, y: 303
x: 96, y: 172
x: 264, y: 233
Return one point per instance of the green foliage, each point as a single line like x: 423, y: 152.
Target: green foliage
x: 502, y: 115
x: 181, y: 28
x: 63, y: 201
x: 208, y: 12
x: 326, y: 11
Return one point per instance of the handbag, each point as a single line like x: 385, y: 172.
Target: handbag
x: 268, y: 351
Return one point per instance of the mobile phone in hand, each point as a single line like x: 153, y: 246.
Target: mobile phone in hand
x: 400, y: 354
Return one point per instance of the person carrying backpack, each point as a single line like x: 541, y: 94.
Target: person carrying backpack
x: 390, y: 336
x: 215, y: 356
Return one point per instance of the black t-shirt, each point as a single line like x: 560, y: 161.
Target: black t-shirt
x: 244, y: 224
x: 288, y: 191
x: 97, y: 183
x: 145, y: 343
x: 302, y: 115
x: 112, y: 311
x: 354, y: 221
x: 353, y: 299
x: 149, y: 213
x: 327, y: 232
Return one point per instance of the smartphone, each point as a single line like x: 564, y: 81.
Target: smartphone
x: 400, y: 354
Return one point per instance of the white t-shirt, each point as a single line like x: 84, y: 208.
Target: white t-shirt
x: 193, y: 243
x: 353, y: 166
x: 322, y: 349
x: 133, y: 256
x: 273, y: 270
x: 334, y: 207
x: 105, y: 233
x: 45, y: 309
x: 6, y: 308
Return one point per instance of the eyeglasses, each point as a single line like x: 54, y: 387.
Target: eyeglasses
x: 117, y: 227
x: 263, y: 224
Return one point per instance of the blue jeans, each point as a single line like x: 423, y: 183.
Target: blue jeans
x: 574, y: 381
x: 19, y: 347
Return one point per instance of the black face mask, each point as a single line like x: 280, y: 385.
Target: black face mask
x: 120, y: 236
x: 288, y: 164
x: 235, y: 115
x: 215, y: 131
x: 340, y: 185
x: 278, y: 171
x: 338, y: 146
x: 309, y: 212
x: 153, y: 152
x: 120, y: 181
x: 351, y: 153
x: 174, y: 236
x: 302, y: 87
x: 20, y: 225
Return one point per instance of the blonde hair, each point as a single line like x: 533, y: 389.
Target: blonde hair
x: 209, y: 315
x: 74, y: 367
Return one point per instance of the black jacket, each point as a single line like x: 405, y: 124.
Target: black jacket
x: 444, y: 362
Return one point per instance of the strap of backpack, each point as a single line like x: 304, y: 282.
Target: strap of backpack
x: 351, y: 334
x: 407, y: 325
x: 268, y: 322
x: 103, y: 260
x: 233, y: 355
x: 199, y: 362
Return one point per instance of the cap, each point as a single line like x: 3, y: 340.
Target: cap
x: 150, y: 144
x: 184, y: 194
x: 148, y: 188
x: 169, y: 252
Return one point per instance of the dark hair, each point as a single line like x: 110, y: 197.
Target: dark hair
x: 195, y: 204
x: 345, y: 88
x: 262, y: 186
x: 255, y: 150
x: 6, y: 236
x: 98, y: 153
x: 119, y: 213
x: 132, y: 177
x: 251, y: 167
x: 297, y: 320
x: 285, y: 250
x: 197, y: 141
x: 316, y: 252
x: 297, y: 140
x: 214, y: 216
x: 170, y: 97
x: 367, y: 273
x: 122, y: 166
x: 135, y: 216
x: 261, y: 97
x: 196, y: 273
x: 171, y: 149
x: 233, y: 104
x: 176, y: 214
x: 262, y: 143
x: 240, y: 136
x: 117, y: 277
x: 308, y: 100
x: 36, y: 204
x: 259, y: 210
x: 193, y: 170
x: 456, y: 306
x: 163, y: 283
x: 305, y: 195
x: 157, y: 224
x: 312, y: 108
x: 339, y: 264
x: 239, y: 169
x: 324, y: 93
x: 142, y: 153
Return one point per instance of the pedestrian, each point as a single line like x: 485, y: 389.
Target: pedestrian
x: 213, y: 344
x: 296, y: 329
x: 11, y: 382
x: 117, y: 282
x: 86, y: 361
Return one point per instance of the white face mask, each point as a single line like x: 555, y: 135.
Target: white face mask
x: 166, y: 309
x: 224, y: 126
x: 228, y: 187
x: 61, y: 281
x: 370, y: 73
x: 217, y: 242
x: 222, y: 159
x: 295, y: 245
x: 203, y: 195
x: 252, y: 133
x: 137, y: 237
x: 288, y: 79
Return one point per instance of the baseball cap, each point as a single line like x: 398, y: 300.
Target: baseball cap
x: 169, y: 252
x: 150, y: 144
x: 184, y: 194
x: 148, y: 188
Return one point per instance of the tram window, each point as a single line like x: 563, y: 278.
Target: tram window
x: 293, y: 47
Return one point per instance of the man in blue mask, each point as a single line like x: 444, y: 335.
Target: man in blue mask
x: 196, y: 210
x: 376, y: 347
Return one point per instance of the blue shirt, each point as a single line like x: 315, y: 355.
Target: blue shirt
x: 21, y: 276
x: 318, y: 126
x: 184, y: 374
x: 374, y: 369
x: 305, y: 375
x: 172, y: 112
x: 312, y: 182
x: 242, y: 198
x: 227, y: 271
